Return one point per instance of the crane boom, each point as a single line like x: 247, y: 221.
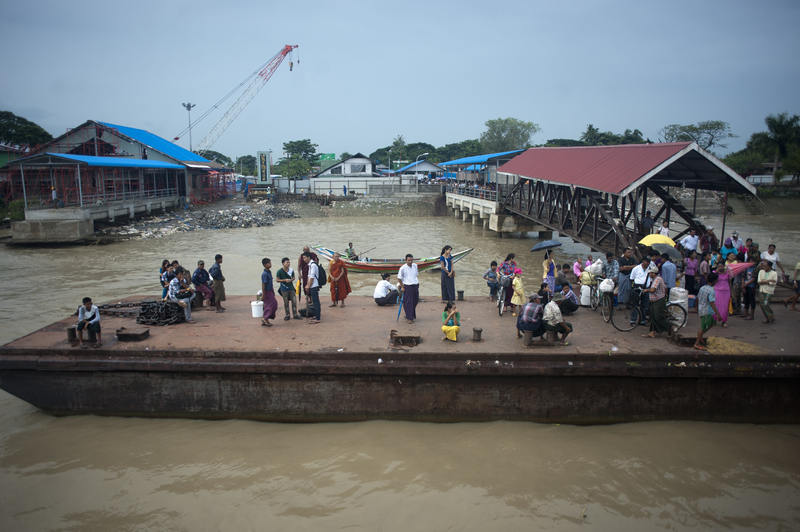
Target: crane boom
x: 257, y: 83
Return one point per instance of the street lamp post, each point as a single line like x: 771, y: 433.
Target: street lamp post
x: 188, y: 106
x: 416, y: 168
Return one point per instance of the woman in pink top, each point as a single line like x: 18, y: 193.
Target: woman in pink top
x: 722, y: 293
x: 690, y: 265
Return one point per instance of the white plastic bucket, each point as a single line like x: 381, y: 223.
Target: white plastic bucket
x: 257, y: 308
x: 586, y: 295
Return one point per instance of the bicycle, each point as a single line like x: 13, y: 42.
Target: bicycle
x: 622, y: 321
x: 676, y: 315
x: 595, y: 295
x: 505, y: 283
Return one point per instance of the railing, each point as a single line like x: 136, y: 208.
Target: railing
x: 377, y: 190
x: 91, y: 200
x: 472, y: 192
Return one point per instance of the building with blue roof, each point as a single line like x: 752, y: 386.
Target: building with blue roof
x: 478, y: 168
x: 103, y: 169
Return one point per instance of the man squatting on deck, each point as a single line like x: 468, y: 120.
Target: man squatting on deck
x: 88, y: 318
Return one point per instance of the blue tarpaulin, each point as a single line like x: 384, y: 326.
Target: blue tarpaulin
x: 478, y: 159
x: 127, y: 162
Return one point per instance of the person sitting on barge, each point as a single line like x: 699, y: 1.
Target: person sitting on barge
x: 530, y: 317
x: 89, y: 318
x: 180, y: 295
x: 569, y: 303
x: 385, y: 293
x: 554, y: 322
x: 202, y: 281
x: 451, y: 322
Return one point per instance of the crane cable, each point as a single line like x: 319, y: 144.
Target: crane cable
x: 228, y: 95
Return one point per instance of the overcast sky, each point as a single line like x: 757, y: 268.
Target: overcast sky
x: 432, y: 71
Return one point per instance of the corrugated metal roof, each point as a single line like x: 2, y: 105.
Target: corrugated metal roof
x: 480, y: 159
x: 127, y: 162
x: 157, y: 143
x: 602, y: 168
x: 415, y: 163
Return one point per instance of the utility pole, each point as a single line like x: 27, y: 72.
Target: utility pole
x: 188, y: 106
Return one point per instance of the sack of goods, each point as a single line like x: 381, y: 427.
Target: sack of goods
x: 505, y: 280
x: 596, y: 268
x: 606, y: 285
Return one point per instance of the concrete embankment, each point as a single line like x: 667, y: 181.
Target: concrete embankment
x: 227, y: 365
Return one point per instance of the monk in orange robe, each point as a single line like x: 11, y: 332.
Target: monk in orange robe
x: 340, y: 286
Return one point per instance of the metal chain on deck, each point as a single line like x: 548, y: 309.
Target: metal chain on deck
x: 160, y: 313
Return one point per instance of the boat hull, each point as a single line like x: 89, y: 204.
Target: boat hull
x: 387, y: 265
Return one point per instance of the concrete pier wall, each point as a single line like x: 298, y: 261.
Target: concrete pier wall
x: 73, y: 224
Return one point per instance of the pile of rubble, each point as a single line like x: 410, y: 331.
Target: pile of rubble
x: 258, y: 215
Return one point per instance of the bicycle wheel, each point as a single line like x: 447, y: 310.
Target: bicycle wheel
x: 606, y: 307
x: 676, y: 315
x: 623, y: 321
x: 501, y: 300
x: 594, y: 297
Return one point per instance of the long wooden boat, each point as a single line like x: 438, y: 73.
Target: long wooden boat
x: 386, y: 265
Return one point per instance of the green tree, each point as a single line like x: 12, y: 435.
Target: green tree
x: 293, y: 167
x: 246, y: 165
x: 708, y: 134
x: 345, y: 155
x: 505, y: 134
x: 216, y: 156
x: 594, y: 137
x: 563, y: 142
x: 745, y: 162
x: 301, y: 149
x: 457, y: 150
x: 16, y: 130
x: 418, y: 148
x: 783, y: 132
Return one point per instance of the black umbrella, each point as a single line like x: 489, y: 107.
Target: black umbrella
x: 546, y: 244
x: 673, y: 253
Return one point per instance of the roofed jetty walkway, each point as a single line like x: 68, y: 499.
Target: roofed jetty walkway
x: 598, y: 195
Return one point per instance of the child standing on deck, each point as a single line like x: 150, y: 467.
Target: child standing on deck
x: 491, y: 280
x: 518, y: 298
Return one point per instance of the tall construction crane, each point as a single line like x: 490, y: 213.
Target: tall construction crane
x: 255, y: 82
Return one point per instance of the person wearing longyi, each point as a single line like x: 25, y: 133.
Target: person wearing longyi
x: 408, y: 277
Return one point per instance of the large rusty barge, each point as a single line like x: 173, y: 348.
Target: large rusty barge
x: 228, y: 366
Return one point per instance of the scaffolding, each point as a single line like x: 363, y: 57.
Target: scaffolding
x: 212, y: 186
x: 45, y: 186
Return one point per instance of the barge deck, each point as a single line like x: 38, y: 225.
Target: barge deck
x: 228, y: 366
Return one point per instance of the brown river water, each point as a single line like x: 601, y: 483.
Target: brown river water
x: 94, y: 473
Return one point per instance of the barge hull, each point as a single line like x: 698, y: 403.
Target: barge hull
x: 312, y: 398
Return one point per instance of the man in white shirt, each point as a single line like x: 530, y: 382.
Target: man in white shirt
x: 408, y: 276
x: 312, y: 287
x: 640, y: 279
x: 664, y: 229
x: 772, y: 256
x: 89, y: 318
x: 553, y: 321
x: 385, y: 293
x: 736, y: 241
x: 690, y: 241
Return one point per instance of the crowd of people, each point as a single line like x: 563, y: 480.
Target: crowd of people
x: 722, y: 281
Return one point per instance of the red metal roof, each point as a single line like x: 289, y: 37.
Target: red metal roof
x: 603, y: 168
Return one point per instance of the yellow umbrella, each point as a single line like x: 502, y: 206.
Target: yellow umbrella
x: 655, y: 238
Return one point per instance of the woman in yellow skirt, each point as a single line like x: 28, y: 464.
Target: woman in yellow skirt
x: 519, y: 292
x: 451, y: 322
